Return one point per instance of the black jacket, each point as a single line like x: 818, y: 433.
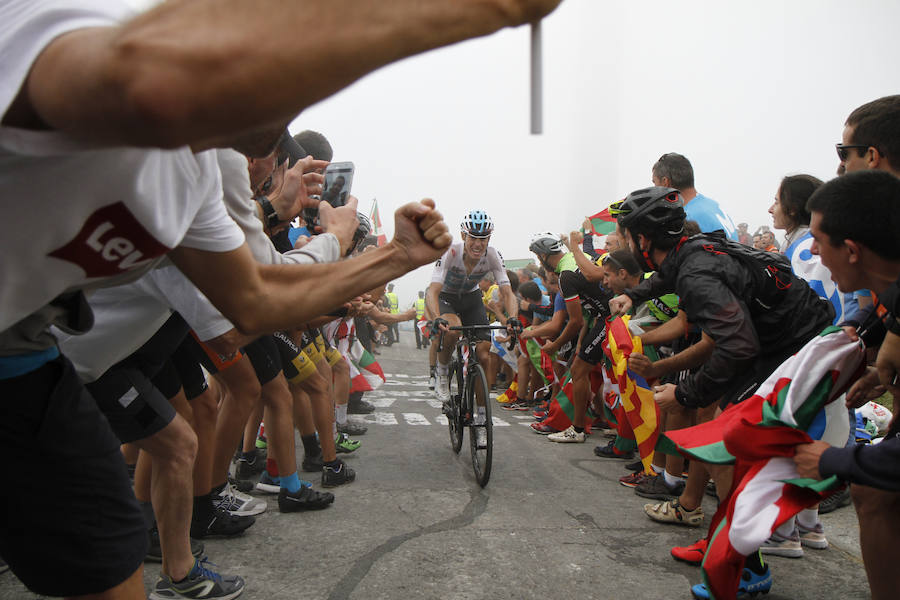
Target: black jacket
x: 748, y: 301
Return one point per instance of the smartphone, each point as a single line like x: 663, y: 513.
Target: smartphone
x: 338, y: 179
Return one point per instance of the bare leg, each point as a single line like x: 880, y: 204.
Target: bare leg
x: 879, y: 528
x: 205, y: 409
x: 173, y: 450
x: 242, y: 397
x: 322, y: 412
x: 582, y: 387
x: 279, y: 417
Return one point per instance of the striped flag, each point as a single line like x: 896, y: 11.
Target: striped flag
x: 795, y: 405
x: 562, y: 409
x: 541, y: 361
x: 636, y: 394
x: 375, y: 218
x: 510, y: 394
x: 602, y: 223
x: 365, y: 372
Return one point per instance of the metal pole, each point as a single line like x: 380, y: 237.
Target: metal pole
x: 537, y: 103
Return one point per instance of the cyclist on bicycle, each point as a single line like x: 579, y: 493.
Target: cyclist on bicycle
x: 455, y: 296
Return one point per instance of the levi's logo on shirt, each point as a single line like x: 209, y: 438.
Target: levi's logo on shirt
x: 111, y: 241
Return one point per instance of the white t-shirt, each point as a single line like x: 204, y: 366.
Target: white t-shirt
x: 127, y: 316
x: 450, y: 271
x: 80, y: 216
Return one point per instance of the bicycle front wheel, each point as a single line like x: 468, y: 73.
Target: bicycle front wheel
x: 481, y: 431
x: 455, y: 418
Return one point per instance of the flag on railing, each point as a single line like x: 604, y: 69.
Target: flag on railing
x: 795, y: 405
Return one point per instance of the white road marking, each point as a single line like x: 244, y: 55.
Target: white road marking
x: 416, y: 419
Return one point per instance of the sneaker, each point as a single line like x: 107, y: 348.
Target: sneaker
x: 305, y: 498
x: 539, y: 414
x: 568, y: 436
x: 635, y: 466
x: 344, y: 445
x: 789, y: 547
x: 656, y: 487
x: 201, y: 583
x: 335, y: 476
x: 634, y: 479
x: 221, y: 524
x: 446, y: 409
x: 268, y: 484
x: 312, y: 464
x: 520, y: 405
x: 431, y: 379
x: 835, y: 501
x: 442, y: 388
x: 351, y: 428
x: 671, y: 511
x: 237, y: 503
x: 751, y: 585
x: 693, y: 554
x: 154, y: 552
x: 241, y: 485
x: 543, y: 429
x: 609, y: 451
x: 360, y: 407
x: 249, y: 468
x: 813, y: 538
x: 711, y: 489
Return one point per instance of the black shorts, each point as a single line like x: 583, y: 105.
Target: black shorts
x: 134, y: 406
x: 81, y: 516
x: 264, y: 356
x: 745, y: 384
x: 295, y: 363
x: 592, y: 345
x: 184, y: 369
x: 469, y: 308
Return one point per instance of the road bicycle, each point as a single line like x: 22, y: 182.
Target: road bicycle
x: 468, y: 390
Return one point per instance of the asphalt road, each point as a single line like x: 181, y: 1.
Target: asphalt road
x: 552, y: 523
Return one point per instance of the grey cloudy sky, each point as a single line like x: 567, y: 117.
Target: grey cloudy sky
x: 748, y: 91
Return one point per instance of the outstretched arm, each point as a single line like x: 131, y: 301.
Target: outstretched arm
x: 191, y: 71
x: 263, y: 298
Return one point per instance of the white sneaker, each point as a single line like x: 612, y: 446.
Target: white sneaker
x: 239, y: 504
x: 442, y: 390
x: 813, y: 538
x: 567, y: 436
x: 778, y: 546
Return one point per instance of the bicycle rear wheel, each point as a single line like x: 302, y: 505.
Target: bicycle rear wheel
x: 455, y: 419
x: 481, y: 436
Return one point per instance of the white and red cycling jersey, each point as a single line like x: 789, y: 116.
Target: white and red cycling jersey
x: 450, y: 271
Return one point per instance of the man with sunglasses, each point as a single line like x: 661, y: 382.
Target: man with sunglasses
x: 871, y: 137
x: 455, y: 296
x: 675, y: 171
